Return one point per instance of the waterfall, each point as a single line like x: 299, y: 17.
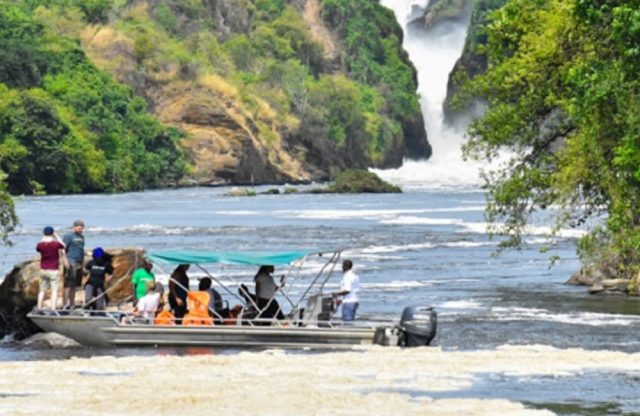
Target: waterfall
x: 434, y: 54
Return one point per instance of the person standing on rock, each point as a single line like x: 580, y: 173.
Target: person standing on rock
x: 74, y: 242
x: 51, y: 250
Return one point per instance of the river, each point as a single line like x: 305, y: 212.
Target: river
x: 422, y: 247
x: 512, y: 336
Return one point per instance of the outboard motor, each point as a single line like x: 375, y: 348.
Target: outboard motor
x: 418, y: 326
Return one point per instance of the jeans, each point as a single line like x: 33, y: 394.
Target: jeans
x: 92, y: 292
x: 349, y: 311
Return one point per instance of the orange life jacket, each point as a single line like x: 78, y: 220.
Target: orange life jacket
x: 165, y: 318
x: 198, y: 305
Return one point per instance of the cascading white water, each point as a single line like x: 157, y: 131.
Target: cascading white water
x: 434, y: 54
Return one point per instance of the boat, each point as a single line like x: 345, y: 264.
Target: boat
x: 309, y: 324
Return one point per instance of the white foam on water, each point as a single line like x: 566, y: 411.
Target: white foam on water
x: 421, y: 246
x: 397, y: 285
x: 575, y: 318
x: 156, y: 229
x: 303, y: 384
x: 398, y: 248
x: 535, y: 230
x: 461, y: 304
x: 469, y: 244
x: 405, y: 220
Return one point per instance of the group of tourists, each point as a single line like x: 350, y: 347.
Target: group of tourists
x: 70, y: 252
x: 203, y: 306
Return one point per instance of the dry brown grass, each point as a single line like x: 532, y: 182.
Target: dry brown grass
x: 219, y: 85
x: 137, y: 11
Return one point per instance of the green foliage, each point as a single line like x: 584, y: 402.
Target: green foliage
x: 373, y: 50
x: 351, y: 114
x: 72, y: 128
x: 357, y: 181
x: 21, y: 61
x: 563, y: 88
x: 8, y: 217
x: 241, y: 52
x: 166, y: 17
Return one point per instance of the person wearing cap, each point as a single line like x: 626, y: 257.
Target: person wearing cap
x: 74, y: 242
x: 100, y: 271
x: 51, y: 249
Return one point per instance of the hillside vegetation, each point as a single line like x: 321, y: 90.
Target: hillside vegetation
x: 113, y: 95
x: 65, y: 125
x: 561, y: 81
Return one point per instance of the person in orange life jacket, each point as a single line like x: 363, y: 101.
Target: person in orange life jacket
x: 100, y: 271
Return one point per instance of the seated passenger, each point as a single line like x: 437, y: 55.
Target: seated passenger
x: 149, y: 305
x: 216, y: 304
x: 139, y: 280
x: 198, y: 309
x: 266, y: 290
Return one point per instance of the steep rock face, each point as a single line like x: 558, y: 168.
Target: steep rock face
x: 235, y: 132
x: 471, y: 62
x: 19, y: 289
x: 229, y: 16
x: 446, y: 10
x: 224, y: 143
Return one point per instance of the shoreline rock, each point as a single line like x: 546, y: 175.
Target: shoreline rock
x: 604, y: 282
x: 351, y: 181
x: 19, y: 289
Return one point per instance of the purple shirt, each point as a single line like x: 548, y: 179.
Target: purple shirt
x: 49, y: 254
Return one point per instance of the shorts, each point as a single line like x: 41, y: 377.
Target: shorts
x: 73, y: 275
x: 49, y: 279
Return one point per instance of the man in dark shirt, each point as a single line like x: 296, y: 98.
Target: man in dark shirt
x: 75, y: 255
x: 50, y: 249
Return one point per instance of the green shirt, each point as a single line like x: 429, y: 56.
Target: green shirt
x: 140, y: 279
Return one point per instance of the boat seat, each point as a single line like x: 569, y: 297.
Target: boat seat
x: 198, y: 306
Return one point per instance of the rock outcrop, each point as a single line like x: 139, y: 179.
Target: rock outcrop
x: 19, y: 289
x: 605, y: 280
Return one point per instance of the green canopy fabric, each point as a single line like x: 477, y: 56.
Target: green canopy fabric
x: 244, y: 258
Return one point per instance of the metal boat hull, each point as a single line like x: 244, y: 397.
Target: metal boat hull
x: 105, y: 331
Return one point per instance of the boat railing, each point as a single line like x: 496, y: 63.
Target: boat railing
x: 125, y: 318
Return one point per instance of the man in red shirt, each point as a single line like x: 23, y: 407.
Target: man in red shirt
x: 51, y: 249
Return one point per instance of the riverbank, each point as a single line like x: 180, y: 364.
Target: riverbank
x: 360, y: 382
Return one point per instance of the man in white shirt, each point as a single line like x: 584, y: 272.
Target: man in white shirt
x: 349, y: 288
x: 149, y: 304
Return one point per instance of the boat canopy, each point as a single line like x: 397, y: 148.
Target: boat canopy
x: 227, y: 257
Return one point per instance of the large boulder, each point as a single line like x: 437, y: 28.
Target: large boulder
x: 19, y: 289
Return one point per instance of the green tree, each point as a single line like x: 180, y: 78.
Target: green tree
x: 563, y: 87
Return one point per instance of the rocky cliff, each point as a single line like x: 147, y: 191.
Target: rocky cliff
x: 258, y: 86
x: 471, y: 63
